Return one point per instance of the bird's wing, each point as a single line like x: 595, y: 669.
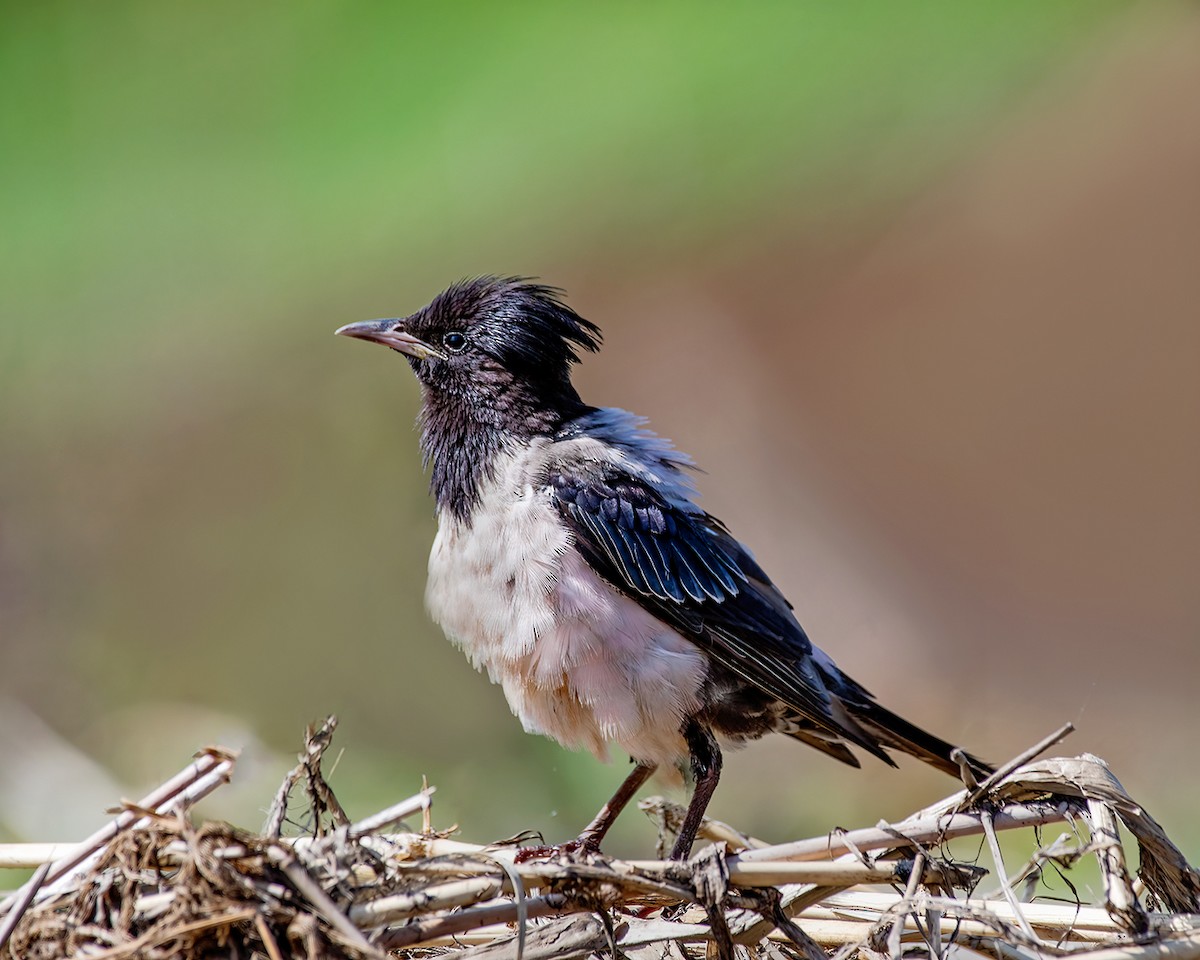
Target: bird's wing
x: 683, y: 566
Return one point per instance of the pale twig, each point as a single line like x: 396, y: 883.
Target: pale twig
x: 959, y: 756
x: 27, y: 856
x: 459, y: 893
x: 562, y: 939
x: 1002, y: 950
x: 514, y: 878
x: 403, y: 846
x: 394, y: 814
x: 910, y: 893
x: 1048, y: 916
x: 989, y: 831
x: 841, y: 874
x: 909, y: 833
x: 933, y: 924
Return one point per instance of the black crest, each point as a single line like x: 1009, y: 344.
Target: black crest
x: 523, y: 325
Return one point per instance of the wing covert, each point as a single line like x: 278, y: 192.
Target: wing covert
x: 658, y: 550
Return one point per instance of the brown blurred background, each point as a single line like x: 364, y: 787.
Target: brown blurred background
x: 917, y: 286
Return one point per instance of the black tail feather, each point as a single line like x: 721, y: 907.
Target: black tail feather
x: 892, y: 730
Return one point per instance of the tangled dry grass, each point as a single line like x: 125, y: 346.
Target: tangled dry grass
x: 155, y: 884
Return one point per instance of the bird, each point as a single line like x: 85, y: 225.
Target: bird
x: 573, y: 564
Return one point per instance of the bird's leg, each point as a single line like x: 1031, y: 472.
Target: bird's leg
x: 589, y: 838
x: 591, y: 835
x: 706, y: 769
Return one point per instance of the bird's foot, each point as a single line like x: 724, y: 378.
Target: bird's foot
x: 582, y: 847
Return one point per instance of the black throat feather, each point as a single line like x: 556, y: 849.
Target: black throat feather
x: 460, y: 454
x: 461, y: 449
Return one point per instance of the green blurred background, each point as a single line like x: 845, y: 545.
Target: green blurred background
x: 916, y: 283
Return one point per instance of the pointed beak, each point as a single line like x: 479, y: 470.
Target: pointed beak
x: 390, y: 333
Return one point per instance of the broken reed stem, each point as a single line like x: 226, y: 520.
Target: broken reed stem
x: 1118, y: 890
x: 1016, y: 762
x: 419, y: 803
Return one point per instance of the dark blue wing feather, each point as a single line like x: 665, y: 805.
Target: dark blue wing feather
x: 684, y: 567
x: 671, y: 586
x: 692, y: 585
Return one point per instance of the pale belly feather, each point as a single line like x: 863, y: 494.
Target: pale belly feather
x: 578, y: 661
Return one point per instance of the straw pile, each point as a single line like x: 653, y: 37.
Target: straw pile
x: 155, y: 884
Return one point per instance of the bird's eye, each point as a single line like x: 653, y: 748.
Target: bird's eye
x: 454, y: 341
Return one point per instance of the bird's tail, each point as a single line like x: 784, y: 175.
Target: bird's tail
x: 891, y: 730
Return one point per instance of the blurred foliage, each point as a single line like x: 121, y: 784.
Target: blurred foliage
x: 202, y: 497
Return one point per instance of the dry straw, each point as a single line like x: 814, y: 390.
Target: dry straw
x: 155, y: 884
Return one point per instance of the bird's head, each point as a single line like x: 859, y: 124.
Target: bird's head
x: 494, y: 350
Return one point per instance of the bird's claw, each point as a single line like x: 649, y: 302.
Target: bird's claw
x: 580, y: 848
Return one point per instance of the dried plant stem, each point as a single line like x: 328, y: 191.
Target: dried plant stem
x: 445, y: 896
x: 267, y: 937
x: 27, y: 856
x: 908, y: 833
x: 910, y: 893
x: 427, y: 930
x: 1181, y: 948
x: 1041, y: 915
x: 419, y: 803
x: 210, y: 770
x: 24, y: 899
x: 1118, y: 890
x: 989, y: 831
